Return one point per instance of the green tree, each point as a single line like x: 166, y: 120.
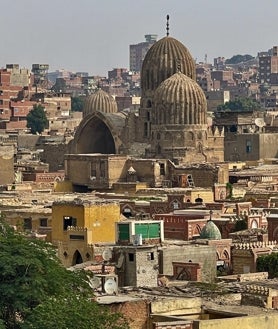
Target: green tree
x: 240, y: 225
x: 36, y: 119
x: 36, y: 289
x: 240, y: 104
x: 236, y: 59
x: 77, y: 104
x: 268, y: 263
x: 73, y: 312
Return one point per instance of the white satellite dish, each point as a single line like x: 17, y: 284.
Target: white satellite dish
x: 251, y: 184
x: 110, y: 286
x: 94, y: 282
x: 107, y: 254
x: 259, y: 122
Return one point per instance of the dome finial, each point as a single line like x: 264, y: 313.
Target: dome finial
x: 167, y: 25
x: 210, y: 215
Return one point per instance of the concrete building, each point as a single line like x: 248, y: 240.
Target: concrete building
x: 268, y: 65
x: 7, y: 175
x: 137, y: 52
x: 40, y: 74
x: 78, y: 224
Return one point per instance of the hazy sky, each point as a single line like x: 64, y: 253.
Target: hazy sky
x: 94, y: 36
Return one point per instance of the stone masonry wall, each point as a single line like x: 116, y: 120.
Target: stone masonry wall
x: 205, y: 255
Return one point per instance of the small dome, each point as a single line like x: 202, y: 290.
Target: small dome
x: 210, y: 231
x: 162, y: 60
x: 100, y: 101
x: 180, y: 100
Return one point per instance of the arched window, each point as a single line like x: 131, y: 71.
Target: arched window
x: 254, y: 224
x: 233, y: 129
x: 77, y: 258
x: 158, y: 149
x: 145, y: 129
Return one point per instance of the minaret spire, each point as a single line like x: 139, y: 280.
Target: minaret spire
x: 167, y: 25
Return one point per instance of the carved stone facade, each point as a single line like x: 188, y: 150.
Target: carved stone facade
x: 171, y: 122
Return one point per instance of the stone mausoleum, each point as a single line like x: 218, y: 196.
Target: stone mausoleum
x: 171, y: 122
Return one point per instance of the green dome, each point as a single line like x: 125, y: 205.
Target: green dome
x: 210, y: 231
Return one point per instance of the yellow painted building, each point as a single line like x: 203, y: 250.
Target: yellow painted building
x: 35, y: 219
x: 77, y: 225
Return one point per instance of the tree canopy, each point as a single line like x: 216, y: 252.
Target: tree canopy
x: 38, y: 292
x: 236, y: 59
x: 268, y: 263
x: 77, y: 104
x: 36, y: 119
x: 240, y: 104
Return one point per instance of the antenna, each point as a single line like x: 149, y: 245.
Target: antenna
x: 167, y: 25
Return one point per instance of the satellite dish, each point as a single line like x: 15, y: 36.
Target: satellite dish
x: 94, y: 282
x: 110, y: 286
x: 251, y: 184
x: 107, y: 254
x: 259, y: 122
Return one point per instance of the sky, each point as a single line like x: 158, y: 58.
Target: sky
x: 94, y: 36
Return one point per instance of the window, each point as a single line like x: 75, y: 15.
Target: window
x: 93, y: 169
x: 43, y: 222
x: 131, y: 257
x: 162, y: 168
x: 175, y: 204
x: 150, y: 256
x: 248, y: 147
x: 145, y: 129
x: 69, y: 221
x: 76, y: 237
x: 27, y: 225
x: 102, y: 168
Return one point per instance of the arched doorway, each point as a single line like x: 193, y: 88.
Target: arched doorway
x: 77, y: 258
x: 96, y: 137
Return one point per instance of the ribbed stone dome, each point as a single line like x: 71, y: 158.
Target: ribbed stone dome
x: 162, y: 60
x: 210, y: 231
x: 100, y: 101
x: 179, y: 100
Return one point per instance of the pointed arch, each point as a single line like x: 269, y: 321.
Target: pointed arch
x: 196, y: 230
x: 77, y: 258
x: 254, y: 224
x: 184, y: 275
x: 97, y: 133
x: 225, y: 255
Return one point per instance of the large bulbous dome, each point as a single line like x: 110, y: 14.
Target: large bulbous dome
x: 162, y: 60
x: 100, y: 101
x: 180, y: 100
